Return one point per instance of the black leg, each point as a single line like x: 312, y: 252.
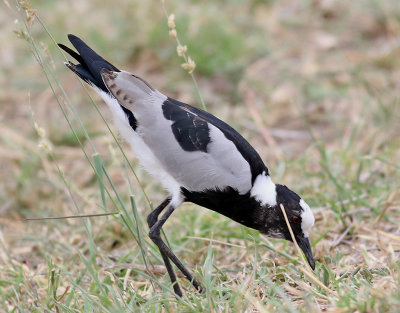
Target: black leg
x: 165, y: 251
x: 151, y: 220
x: 153, y: 216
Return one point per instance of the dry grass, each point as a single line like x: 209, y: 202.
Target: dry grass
x: 313, y: 85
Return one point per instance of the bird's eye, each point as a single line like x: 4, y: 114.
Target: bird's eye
x: 296, y: 220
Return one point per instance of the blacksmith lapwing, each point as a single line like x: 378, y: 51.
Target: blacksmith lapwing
x: 197, y: 157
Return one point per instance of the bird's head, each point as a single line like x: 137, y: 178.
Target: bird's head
x: 300, y: 217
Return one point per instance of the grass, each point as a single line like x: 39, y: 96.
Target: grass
x: 313, y: 86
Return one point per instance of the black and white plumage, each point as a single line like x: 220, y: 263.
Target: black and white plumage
x: 197, y: 157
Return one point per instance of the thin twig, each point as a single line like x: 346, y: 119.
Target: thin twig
x: 63, y: 295
x: 217, y: 241
x: 69, y: 216
x: 341, y: 237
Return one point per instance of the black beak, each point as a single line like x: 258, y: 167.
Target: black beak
x: 304, y: 245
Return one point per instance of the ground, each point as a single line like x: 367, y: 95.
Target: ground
x: 312, y: 85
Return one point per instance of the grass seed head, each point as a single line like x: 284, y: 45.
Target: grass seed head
x: 171, y: 21
x: 189, y: 65
x: 172, y: 33
x: 40, y: 131
x: 181, y: 50
x: 45, y: 145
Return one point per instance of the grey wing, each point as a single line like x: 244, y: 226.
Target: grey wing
x: 215, y: 160
x: 191, y: 148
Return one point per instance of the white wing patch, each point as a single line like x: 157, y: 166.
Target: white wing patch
x: 307, y: 218
x: 264, y: 190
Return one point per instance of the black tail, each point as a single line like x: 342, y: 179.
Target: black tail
x: 90, y: 63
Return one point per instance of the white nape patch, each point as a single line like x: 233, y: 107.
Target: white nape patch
x: 307, y: 218
x: 264, y: 190
x: 142, y: 151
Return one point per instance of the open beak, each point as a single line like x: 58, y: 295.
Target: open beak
x: 304, y: 245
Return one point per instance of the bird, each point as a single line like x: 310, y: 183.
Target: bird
x: 196, y: 156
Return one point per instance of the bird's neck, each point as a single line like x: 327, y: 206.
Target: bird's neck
x: 243, y: 209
